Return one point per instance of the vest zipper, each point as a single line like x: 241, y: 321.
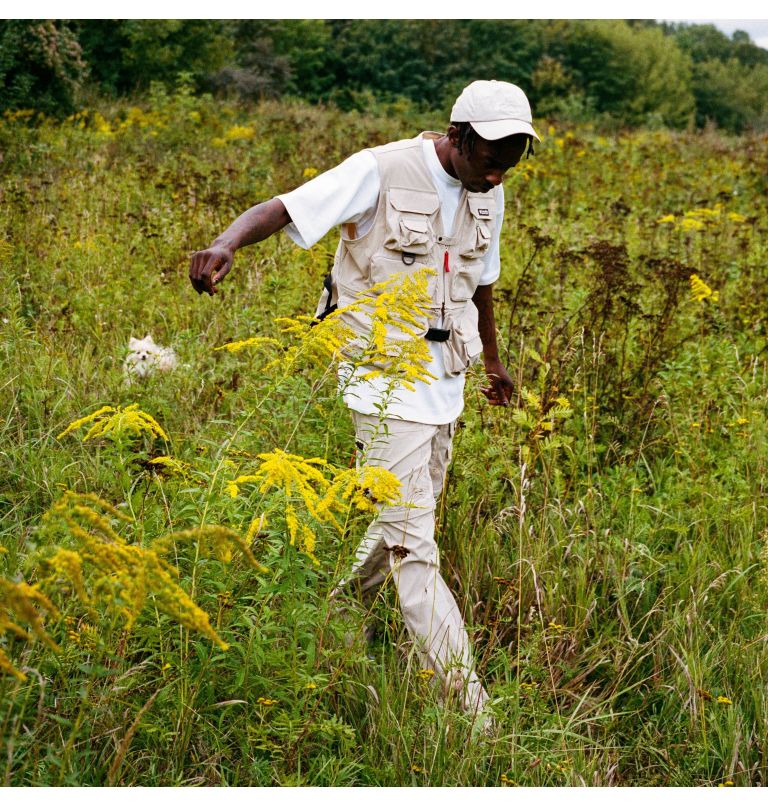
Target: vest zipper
x: 446, y: 270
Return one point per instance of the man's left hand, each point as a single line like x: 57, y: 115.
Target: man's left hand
x: 501, y: 387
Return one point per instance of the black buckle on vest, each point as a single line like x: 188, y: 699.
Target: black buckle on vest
x: 408, y: 258
x: 436, y: 334
x: 328, y: 286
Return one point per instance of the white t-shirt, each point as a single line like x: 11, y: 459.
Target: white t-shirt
x: 349, y: 193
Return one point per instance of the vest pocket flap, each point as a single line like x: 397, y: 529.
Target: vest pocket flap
x: 415, y: 224
x: 406, y: 200
x: 482, y: 208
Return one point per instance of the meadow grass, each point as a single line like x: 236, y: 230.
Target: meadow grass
x: 605, y: 537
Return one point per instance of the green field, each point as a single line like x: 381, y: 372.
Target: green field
x: 606, y: 537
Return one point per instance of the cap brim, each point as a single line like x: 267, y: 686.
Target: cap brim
x: 496, y: 129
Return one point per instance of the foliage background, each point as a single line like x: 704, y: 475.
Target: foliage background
x: 609, y: 553
x: 629, y: 72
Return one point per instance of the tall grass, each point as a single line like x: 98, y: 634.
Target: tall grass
x: 606, y: 537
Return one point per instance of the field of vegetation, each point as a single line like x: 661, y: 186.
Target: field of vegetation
x: 166, y: 562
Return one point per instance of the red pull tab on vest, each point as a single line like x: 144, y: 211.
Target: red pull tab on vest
x: 445, y: 263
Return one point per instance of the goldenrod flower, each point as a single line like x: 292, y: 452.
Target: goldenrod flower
x: 20, y: 602
x: 256, y: 341
x: 116, y: 421
x: 365, y: 489
x: 174, y: 466
x: 553, y: 625
x: 704, y: 213
x: 121, y: 576
x: 666, y: 219
x: 701, y: 291
x: 724, y: 700
x: 216, y: 541
x: 388, y: 338
x: 298, y: 477
x: 239, y: 133
x: 689, y: 224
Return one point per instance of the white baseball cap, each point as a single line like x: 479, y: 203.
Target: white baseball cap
x: 495, y: 109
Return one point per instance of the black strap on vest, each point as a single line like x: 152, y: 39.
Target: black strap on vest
x: 329, y: 309
x: 436, y: 334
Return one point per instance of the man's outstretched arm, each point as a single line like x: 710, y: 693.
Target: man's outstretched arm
x: 501, y: 388
x: 210, y: 266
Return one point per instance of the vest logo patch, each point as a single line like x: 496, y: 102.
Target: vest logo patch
x: 483, y: 211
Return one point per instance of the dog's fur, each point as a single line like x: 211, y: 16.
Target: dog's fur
x: 145, y: 357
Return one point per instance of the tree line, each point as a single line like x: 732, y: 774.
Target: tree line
x: 629, y: 72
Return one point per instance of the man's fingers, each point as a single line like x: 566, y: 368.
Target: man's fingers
x: 222, y: 272
x: 496, y: 394
x: 206, y: 269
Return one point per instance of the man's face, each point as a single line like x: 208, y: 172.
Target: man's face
x: 485, y: 167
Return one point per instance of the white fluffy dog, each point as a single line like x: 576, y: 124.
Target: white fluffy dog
x: 145, y: 357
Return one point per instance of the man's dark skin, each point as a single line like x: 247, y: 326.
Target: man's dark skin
x: 478, y: 171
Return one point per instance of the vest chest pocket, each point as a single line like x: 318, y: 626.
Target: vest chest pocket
x: 408, y: 220
x: 478, y: 245
x: 483, y: 213
x: 464, y: 279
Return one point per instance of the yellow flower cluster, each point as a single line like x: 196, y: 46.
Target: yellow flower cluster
x: 318, y: 341
x: 538, y: 418
x: 364, y: 489
x: 20, y: 602
x: 294, y: 476
x: 305, y: 479
x: 170, y: 465
x: 215, y: 541
x: 134, y: 118
x: 233, y: 134
x: 121, y: 576
x: 117, y: 421
x: 256, y: 341
x: 700, y: 218
x: 393, y: 315
x: 18, y: 114
x: 398, y: 310
x: 701, y: 291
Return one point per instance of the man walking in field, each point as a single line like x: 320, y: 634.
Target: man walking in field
x: 433, y: 201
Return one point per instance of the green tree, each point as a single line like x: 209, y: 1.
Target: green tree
x: 41, y: 65
x: 633, y: 73
x: 731, y: 95
x: 126, y: 55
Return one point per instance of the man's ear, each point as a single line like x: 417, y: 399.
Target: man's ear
x: 453, y: 135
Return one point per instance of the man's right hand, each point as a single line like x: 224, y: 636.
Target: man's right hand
x: 209, y: 267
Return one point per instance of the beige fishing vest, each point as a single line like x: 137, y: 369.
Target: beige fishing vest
x: 407, y: 235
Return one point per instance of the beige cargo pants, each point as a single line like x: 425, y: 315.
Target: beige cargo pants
x: 401, y: 543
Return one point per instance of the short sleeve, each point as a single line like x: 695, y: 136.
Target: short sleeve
x: 345, y: 194
x: 492, y: 268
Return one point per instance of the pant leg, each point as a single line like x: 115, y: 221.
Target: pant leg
x: 442, y: 450
x: 401, y: 542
